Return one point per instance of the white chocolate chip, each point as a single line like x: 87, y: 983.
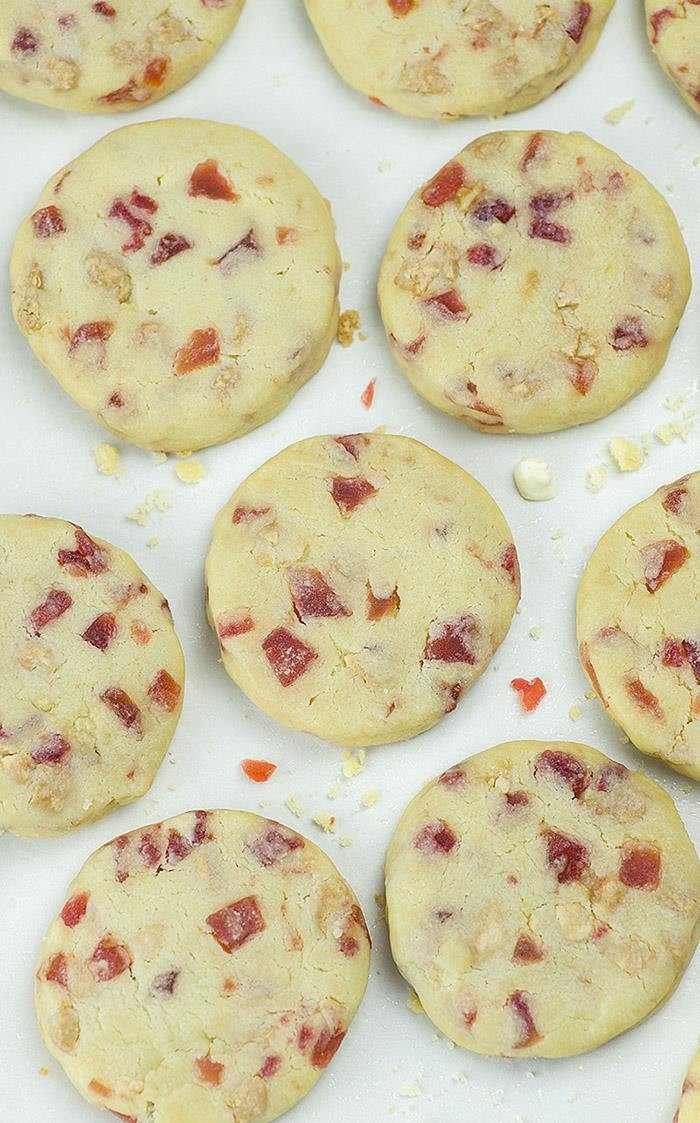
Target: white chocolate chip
x: 534, y: 479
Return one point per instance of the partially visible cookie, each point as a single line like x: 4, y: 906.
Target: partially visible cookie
x: 541, y: 899
x: 638, y: 624
x: 534, y: 283
x: 432, y: 59
x: 674, y: 34
x: 103, y: 57
x: 689, y: 1107
x: 180, y: 281
x: 91, y: 677
x: 358, y: 585
x: 202, y: 970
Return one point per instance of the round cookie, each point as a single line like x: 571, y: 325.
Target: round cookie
x: 689, y: 1107
x: 541, y: 899
x: 91, y: 675
x: 533, y: 284
x: 674, y: 34
x: 427, y: 58
x: 100, y: 57
x: 193, y: 296
x: 205, y: 968
x: 638, y: 626
x: 358, y: 585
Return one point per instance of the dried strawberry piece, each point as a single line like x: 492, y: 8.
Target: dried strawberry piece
x: 164, y: 691
x: 286, y: 235
x: 56, y: 970
x: 377, y: 607
x: 305, y: 1035
x: 274, y: 844
x: 102, y: 631
x: 484, y: 256
x: 416, y: 240
x: 87, y: 557
x: 326, y: 1046
x: 47, y: 222
x: 452, y: 693
x: 25, y: 41
x: 509, y: 561
x: 661, y: 560
x: 115, y: 400
x: 532, y: 151
x: 169, y: 246
x: 348, y: 945
x: 527, y: 950
x: 201, y: 350
x: 57, y: 602
x: 109, y: 960
x: 349, y: 491
x: 692, y: 651
x: 488, y: 209
x: 102, y: 8
x: 150, y: 849
x: 610, y: 775
x: 247, y: 245
x: 583, y: 374
x: 312, y: 596
x: 122, y: 707
x: 237, y: 923
x: 568, y: 858
x: 658, y: 19
x: 367, y: 395
x: 155, y: 71
x: 629, y: 333
x: 270, y: 1066
x: 259, y: 771
x: 209, y: 1071
x: 644, y: 698
x: 140, y: 227
x: 549, y: 201
x: 207, y: 179
x: 517, y: 799
x: 590, y: 671
x: 444, y: 185
x: 454, y: 641
x: 448, y: 305
x: 178, y: 848
x: 550, y: 231
x: 640, y: 865
x: 142, y: 202
x: 531, y: 692
x: 435, y: 838
x: 97, y: 331
x: 676, y: 500
x: 74, y: 909
x: 519, y: 1003
x: 230, y: 624
x: 288, y: 656
x: 577, y: 26
x: 672, y: 653
x: 164, y: 985
x: 51, y: 750
x: 566, y: 767
x: 200, y: 834
x: 248, y: 514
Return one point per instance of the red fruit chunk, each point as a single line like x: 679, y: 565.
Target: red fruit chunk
x: 348, y: 945
x: 484, y: 256
x: 531, y: 693
x: 232, y: 624
x: 286, y: 235
x: 352, y: 444
x: 164, y: 985
x: 549, y: 201
x: 566, y: 767
x: 101, y: 632
x: 453, y: 693
x: 47, y: 222
x: 142, y: 202
x: 248, y: 514
x: 568, y: 858
x: 200, y: 833
x: 104, y: 9
x: 156, y: 71
x: 207, y: 179
x: 367, y: 395
x: 610, y: 775
x: 401, y: 7
x: 274, y: 844
x: 247, y: 245
x: 312, y: 596
x: 122, y: 707
x: 25, y: 41
x: 259, y: 771
x: 454, y: 641
x: 209, y: 1071
x: 640, y: 866
x: 520, y: 1005
x: 672, y: 653
x: 583, y: 374
x: 288, y: 656
x: 550, y: 231
x: 661, y: 560
x: 526, y: 950
x: 178, y: 848
x: 108, y: 960
x: 164, y: 691
x: 488, y: 209
x: 444, y: 186
x: 349, y: 491
x: 52, y: 750
x: 87, y: 557
x: 377, y: 607
x: 435, y: 838
x: 658, y: 19
x: 269, y: 1067
x: 510, y: 562
x: 169, y: 246
x: 305, y: 1035
x: 326, y: 1046
x: 676, y: 500
x: 629, y: 333
x: 150, y: 849
x: 201, y: 350
x: 140, y: 227
x: 56, y: 970
x: 576, y: 28
x: 517, y: 799
x: 57, y: 602
x: 591, y: 672
x: 644, y: 698
x: 532, y: 151
x: 125, y: 1118
x: 692, y: 651
x: 98, y: 331
x: 74, y: 909
x: 447, y: 305
x: 237, y: 923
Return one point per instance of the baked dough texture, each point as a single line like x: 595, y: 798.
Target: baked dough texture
x: 180, y: 281
x: 534, y: 283
x: 358, y: 585
x: 91, y: 677
x: 638, y: 624
x: 101, y: 57
x: 541, y: 899
x: 428, y: 58
x: 674, y: 34
x: 689, y: 1107
x: 202, y: 970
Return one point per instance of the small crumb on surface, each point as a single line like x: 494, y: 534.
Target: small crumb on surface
x: 673, y: 430
x: 367, y: 395
x: 160, y: 457
x: 348, y: 324
x: 575, y: 713
x: 344, y: 840
x: 332, y: 792
x: 412, y: 1089
x: 152, y: 542
x: 353, y: 763
x: 625, y: 454
x: 157, y: 500
x: 535, y: 633
x: 615, y: 115
x: 370, y: 798
x: 596, y: 477
x: 189, y: 471
x: 43, y: 1072
x: 325, y: 822
x: 384, y: 166
x: 107, y: 459
x: 558, y: 534
x: 292, y: 804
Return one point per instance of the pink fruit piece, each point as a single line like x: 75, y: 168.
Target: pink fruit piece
x: 349, y: 492
x: 565, y: 768
x: 484, y: 256
x: 96, y: 331
x: 231, y: 624
x: 568, y: 858
x: 692, y: 652
x: 549, y: 201
x: 201, y: 350
x: 123, y: 708
x: 178, y: 848
x: 609, y: 776
x: 247, y: 246
x: 109, y: 960
x: 102, y: 631
x: 248, y: 514
x: 488, y: 209
x: 443, y: 186
x: 140, y: 227
x: 401, y: 7
x: 169, y: 246
x: 550, y: 231
x: 235, y: 924
x: 209, y: 1071
x: 509, y: 562
x: 519, y: 1004
x: 447, y: 305
x: 288, y: 656
x: 207, y: 179
x: 661, y: 560
x: 25, y: 41
x: 326, y: 1046
x: 628, y: 334
x: 74, y: 909
x: 517, y: 799
x: 150, y: 849
x: 164, y: 691
x: 87, y: 557
x: 527, y: 950
x: 163, y: 985
x: 576, y: 27
x: 56, y: 970
x: 582, y: 375
x: 274, y: 844
x: 47, y: 222
x: 353, y: 444
x: 52, y: 749
x: 378, y: 607
x: 312, y: 596
x: 454, y: 641
x: 533, y: 151
x: 102, y: 8
x: 676, y: 501
x: 643, y: 697
x: 640, y: 865
x: 673, y: 653
x: 658, y: 19
x: 435, y: 838
x: 270, y: 1066
x: 57, y: 602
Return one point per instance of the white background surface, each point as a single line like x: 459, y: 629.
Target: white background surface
x: 273, y: 77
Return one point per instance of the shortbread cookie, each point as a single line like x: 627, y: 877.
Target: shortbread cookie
x: 432, y: 59
x: 674, y: 34
x: 202, y: 970
x: 689, y: 1107
x: 91, y: 677
x: 541, y: 899
x: 534, y: 283
x: 193, y: 296
x: 107, y: 57
x: 638, y: 624
x: 358, y: 585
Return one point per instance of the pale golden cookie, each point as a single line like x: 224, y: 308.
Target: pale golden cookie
x: 674, y: 33
x: 638, y: 624
x: 689, y: 1107
x: 202, y: 970
x: 91, y: 677
x: 541, y: 899
x: 358, y: 585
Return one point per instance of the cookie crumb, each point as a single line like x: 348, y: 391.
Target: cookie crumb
x: 370, y: 798
x: 596, y: 477
x: 535, y: 633
x: 353, y: 763
x: 672, y: 430
x: 412, y: 1090
x: 292, y: 804
x: 575, y: 713
x: 160, y: 457
x: 615, y: 115
x: 625, y: 454
x: 189, y: 471
x: 107, y: 459
x: 157, y: 500
x: 332, y: 792
x: 153, y: 542
x: 43, y: 1072
x: 348, y: 324
x: 325, y: 822
x: 344, y: 840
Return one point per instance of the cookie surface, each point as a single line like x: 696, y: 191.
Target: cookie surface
x: 431, y: 59
x: 638, y: 626
x: 533, y: 284
x: 194, y: 296
x: 358, y: 585
x: 541, y: 899
x: 689, y: 1107
x: 204, y: 968
x: 674, y: 34
x: 91, y: 677
x: 100, y: 57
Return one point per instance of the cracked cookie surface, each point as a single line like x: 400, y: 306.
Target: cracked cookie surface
x: 358, y: 585
x: 533, y: 284
x: 541, y: 899
x: 157, y: 307
x: 91, y: 677
x: 203, y: 968
x: 674, y: 33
